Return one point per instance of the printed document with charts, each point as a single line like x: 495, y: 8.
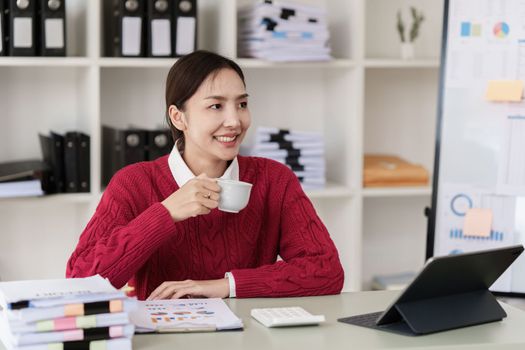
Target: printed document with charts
x: 184, y: 315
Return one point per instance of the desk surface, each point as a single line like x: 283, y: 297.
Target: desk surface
x: 507, y: 334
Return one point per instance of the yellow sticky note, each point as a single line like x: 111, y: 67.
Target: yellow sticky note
x: 504, y: 90
x: 97, y: 345
x: 475, y: 30
x: 86, y: 321
x: 55, y: 346
x: 478, y: 222
x: 45, y: 326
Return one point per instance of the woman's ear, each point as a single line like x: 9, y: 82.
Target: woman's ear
x: 177, y: 118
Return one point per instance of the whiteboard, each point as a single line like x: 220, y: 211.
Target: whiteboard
x: 480, y: 148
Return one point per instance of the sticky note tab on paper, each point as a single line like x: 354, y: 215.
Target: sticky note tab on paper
x: 478, y: 222
x: 504, y: 90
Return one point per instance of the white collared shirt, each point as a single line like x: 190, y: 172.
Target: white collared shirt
x: 182, y: 174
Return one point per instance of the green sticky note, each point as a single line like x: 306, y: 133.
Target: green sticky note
x: 55, y: 346
x: 45, y: 326
x: 87, y: 321
x: 476, y: 30
x: 97, y: 345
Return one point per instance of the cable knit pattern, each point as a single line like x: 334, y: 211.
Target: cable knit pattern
x: 132, y: 236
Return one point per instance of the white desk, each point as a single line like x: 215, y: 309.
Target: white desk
x: 507, y: 334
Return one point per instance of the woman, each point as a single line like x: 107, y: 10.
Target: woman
x: 157, y: 222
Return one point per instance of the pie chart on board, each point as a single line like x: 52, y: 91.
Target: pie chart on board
x: 501, y: 30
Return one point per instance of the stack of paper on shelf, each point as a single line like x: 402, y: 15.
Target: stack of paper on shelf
x: 23, y: 178
x: 391, y: 171
x: 283, y: 31
x: 301, y: 151
x: 78, y: 313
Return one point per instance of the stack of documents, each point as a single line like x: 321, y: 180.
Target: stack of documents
x: 301, y: 151
x: 283, y: 31
x: 80, y: 313
x: 23, y: 178
x: 25, y: 188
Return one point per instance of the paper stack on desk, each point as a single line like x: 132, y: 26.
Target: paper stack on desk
x: 283, y: 31
x: 301, y: 151
x: 61, y: 314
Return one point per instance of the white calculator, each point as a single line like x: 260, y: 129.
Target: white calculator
x: 286, y: 316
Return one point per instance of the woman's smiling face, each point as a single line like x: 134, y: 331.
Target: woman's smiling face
x: 216, y: 118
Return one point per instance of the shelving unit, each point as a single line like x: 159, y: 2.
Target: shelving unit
x: 399, y: 118
x: 362, y: 101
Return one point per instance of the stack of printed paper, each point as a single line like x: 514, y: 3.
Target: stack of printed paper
x: 79, y: 313
x: 283, y: 31
x: 301, y: 151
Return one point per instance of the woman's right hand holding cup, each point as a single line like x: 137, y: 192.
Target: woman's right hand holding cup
x: 197, y: 197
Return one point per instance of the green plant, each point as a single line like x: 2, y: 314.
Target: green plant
x: 417, y: 19
x: 400, y: 26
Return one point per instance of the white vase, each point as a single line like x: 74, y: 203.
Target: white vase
x: 407, y: 51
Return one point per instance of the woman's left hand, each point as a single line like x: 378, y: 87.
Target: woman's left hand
x: 177, y: 289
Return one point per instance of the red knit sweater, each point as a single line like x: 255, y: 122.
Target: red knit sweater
x: 132, y: 236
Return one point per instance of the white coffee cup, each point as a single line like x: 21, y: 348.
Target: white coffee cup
x: 234, y: 195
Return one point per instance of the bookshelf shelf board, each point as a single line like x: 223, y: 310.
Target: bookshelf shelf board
x: 397, y: 192
x: 129, y: 62
x: 396, y: 63
x: 52, y: 198
x: 332, y: 190
x: 252, y: 63
x: 45, y: 62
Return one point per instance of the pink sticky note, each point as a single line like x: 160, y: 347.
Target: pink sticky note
x: 65, y: 323
x: 77, y: 334
x: 116, y: 331
x: 478, y: 222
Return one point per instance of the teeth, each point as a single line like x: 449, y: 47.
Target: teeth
x: 225, y: 139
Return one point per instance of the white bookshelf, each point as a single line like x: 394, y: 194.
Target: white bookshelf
x: 365, y: 100
x: 400, y: 108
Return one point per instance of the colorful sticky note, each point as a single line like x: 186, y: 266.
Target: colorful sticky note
x: 465, y: 28
x: 86, y: 321
x: 505, y: 91
x: 115, y: 305
x: 97, y: 345
x: 45, y: 326
x: 478, y: 222
x: 74, y: 310
x: 476, y: 29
